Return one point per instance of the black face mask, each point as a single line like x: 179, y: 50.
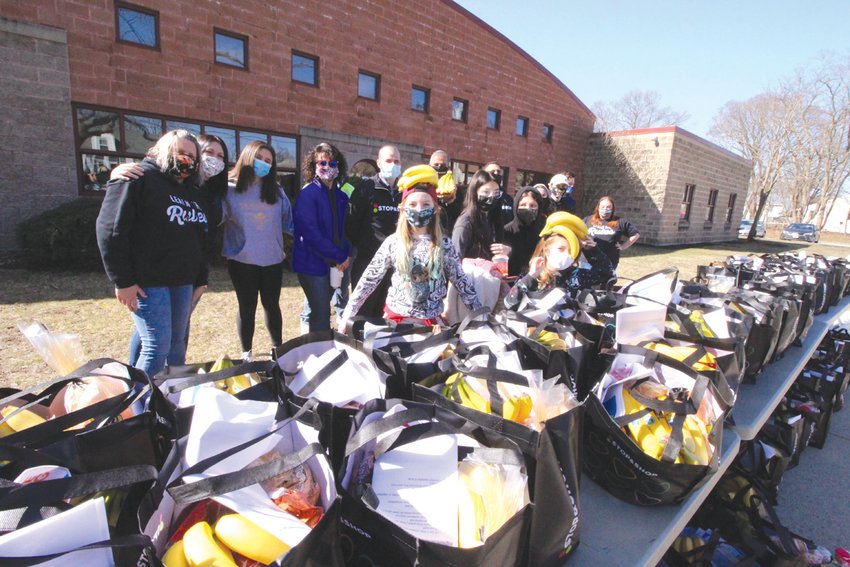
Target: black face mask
x: 526, y: 216
x: 486, y: 203
x: 441, y: 170
x: 497, y: 177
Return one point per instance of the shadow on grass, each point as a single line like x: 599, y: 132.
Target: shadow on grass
x: 740, y: 245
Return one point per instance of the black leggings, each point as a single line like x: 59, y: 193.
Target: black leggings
x: 249, y: 280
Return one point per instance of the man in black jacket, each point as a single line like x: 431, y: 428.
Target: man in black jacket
x: 372, y: 216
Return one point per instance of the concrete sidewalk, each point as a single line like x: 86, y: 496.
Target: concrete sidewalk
x: 814, y: 497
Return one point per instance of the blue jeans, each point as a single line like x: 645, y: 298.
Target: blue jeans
x: 318, y: 291
x: 162, y: 322
x: 339, y: 299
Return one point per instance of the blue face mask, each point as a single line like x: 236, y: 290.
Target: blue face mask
x: 418, y: 219
x: 261, y: 168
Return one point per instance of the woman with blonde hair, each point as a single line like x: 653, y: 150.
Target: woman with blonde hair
x: 422, y: 259
x: 256, y: 213
x: 152, y: 236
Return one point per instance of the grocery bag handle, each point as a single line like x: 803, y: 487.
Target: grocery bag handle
x: 122, y: 542
x: 191, y: 379
x: 372, y: 430
x: 323, y: 374
x: 473, y: 315
x: 228, y: 482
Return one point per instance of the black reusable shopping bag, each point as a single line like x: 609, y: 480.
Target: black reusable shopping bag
x: 617, y: 464
x: 370, y: 539
x: 553, y: 457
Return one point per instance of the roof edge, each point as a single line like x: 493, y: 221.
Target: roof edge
x: 677, y: 130
x: 481, y: 23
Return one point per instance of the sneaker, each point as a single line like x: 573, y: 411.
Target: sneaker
x: 248, y: 356
x: 305, y: 328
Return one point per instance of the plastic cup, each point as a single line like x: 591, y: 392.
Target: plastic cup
x: 501, y: 263
x: 336, y: 278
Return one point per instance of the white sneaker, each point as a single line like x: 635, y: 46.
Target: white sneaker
x: 305, y: 328
x: 248, y: 356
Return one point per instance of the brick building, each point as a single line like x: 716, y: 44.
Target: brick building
x: 88, y: 84
x: 676, y: 187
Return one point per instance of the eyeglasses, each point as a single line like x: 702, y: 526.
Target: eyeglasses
x: 332, y: 163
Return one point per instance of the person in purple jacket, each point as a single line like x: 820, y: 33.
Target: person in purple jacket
x: 320, y: 242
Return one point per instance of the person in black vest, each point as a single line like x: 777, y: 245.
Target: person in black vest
x: 372, y: 216
x: 505, y: 200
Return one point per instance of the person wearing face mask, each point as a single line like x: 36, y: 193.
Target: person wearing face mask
x: 212, y: 176
x: 256, y: 213
x: 561, y: 187
x: 610, y: 233
x: 521, y: 233
x: 558, y: 261
x: 419, y: 257
x: 505, y: 200
x: 152, y: 233
x: 320, y: 241
x: 479, y: 231
x: 451, y: 203
x: 372, y: 216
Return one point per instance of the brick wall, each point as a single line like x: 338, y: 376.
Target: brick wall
x: 646, y: 171
x: 430, y: 43
x: 37, y: 170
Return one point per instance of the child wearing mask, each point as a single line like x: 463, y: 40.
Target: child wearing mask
x: 479, y: 231
x: 558, y: 261
x: 422, y: 260
x: 610, y: 233
x: 521, y: 233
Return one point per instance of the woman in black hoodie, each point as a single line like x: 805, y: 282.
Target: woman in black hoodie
x: 152, y: 235
x: 522, y: 233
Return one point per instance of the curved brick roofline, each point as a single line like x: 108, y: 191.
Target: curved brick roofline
x: 481, y: 23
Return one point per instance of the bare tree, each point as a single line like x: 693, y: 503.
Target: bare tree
x: 758, y: 129
x: 636, y: 109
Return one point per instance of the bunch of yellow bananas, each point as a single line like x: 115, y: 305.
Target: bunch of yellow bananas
x: 446, y: 186
x: 514, y: 408
x: 686, y: 544
x: 706, y: 363
x: 232, y: 385
x: 18, y: 422
x: 200, y: 547
x: 486, y: 500
x: 550, y: 339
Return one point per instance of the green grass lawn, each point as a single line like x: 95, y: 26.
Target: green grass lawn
x: 83, y: 304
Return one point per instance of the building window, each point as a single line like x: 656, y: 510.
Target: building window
x: 231, y: 49
x: 494, y: 118
x: 687, y: 199
x: 463, y: 171
x: 108, y: 137
x: 522, y: 126
x: 368, y: 85
x: 305, y: 69
x: 420, y: 99
x: 712, y: 204
x: 460, y: 109
x: 547, y: 133
x: 525, y: 178
x: 730, y: 208
x: 137, y: 25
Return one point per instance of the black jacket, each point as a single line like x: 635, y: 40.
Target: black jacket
x: 372, y: 216
x: 523, y: 238
x: 472, y: 239
x: 153, y: 231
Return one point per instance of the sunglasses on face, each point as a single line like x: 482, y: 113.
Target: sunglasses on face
x: 332, y: 163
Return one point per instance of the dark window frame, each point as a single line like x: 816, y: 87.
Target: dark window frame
x: 427, y: 92
x: 119, y: 4
x: 465, y: 114
x: 527, y: 124
x: 498, y: 113
x: 462, y: 175
x: 121, y: 153
x: 377, y: 78
x: 317, y: 68
x: 712, y: 206
x: 232, y: 35
x: 687, y: 202
x: 548, y: 132
x: 526, y: 177
x: 730, y: 207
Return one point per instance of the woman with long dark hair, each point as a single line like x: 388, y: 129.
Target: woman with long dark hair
x: 320, y: 242
x: 479, y: 231
x: 610, y: 233
x: 256, y: 214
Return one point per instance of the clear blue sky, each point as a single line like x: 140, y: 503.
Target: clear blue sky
x: 697, y: 54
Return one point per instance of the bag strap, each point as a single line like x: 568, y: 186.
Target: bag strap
x: 191, y: 379
x: 323, y: 374
x: 229, y: 482
x: 123, y: 542
x: 473, y: 315
x: 374, y: 429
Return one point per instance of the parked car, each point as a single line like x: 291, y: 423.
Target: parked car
x: 744, y: 229
x: 800, y: 231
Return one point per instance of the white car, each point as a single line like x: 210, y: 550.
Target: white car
x: 744, y: 229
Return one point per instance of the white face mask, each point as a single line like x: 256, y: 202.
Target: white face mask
x: 390, y: 172
x: 559, y: 260
x: 605, y: 213
x: 210, y: 167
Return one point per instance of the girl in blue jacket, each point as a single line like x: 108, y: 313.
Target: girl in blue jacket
x: 320, y: 242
